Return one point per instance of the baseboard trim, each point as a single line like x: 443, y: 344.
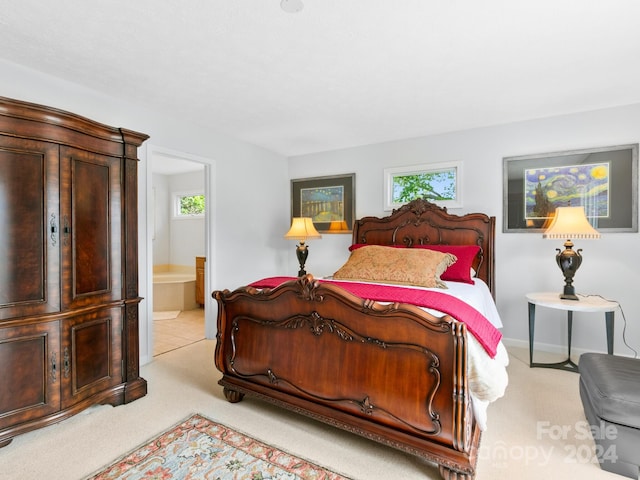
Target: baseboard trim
x: 551, y: 348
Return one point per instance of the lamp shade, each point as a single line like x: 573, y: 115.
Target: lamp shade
x: 338, y: 226
x: 302, y: 229
x: 570, y: 222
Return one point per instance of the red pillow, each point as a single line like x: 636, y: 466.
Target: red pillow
x: 460, y: 271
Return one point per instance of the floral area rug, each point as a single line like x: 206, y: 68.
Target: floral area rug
x: 199, y: 448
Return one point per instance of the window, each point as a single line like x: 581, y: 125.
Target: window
x: 439, y: 183
x: 188, y: 205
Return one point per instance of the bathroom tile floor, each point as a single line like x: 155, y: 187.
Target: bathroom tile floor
x: 185, y: 329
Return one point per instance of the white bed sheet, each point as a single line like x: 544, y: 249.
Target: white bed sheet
x: 477, y: 295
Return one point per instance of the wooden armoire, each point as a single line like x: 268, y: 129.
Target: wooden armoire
x: 68, y: 266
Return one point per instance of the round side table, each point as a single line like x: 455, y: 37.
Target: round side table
x: 584, y: 304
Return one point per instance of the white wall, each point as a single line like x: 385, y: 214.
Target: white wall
x: 177, y: 241
x: 187, y: 234
x: 251, y: 186
x: 161, y: 228
x: 524, y: 261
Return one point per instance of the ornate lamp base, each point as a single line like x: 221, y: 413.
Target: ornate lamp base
x: 569, y: 261
x: 302, y: 252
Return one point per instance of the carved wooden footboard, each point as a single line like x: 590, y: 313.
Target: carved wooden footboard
x: 391, y: 373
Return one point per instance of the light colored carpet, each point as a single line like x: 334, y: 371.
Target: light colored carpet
x: 522, y: 440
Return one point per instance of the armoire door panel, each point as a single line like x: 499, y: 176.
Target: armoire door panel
x: 91, y: 214
x: 92, y: 228
x: 91, y: 354
x: 29, y: 222
x: 30, y: 381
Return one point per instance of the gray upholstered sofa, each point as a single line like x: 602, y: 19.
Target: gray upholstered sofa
x: 610, y: 393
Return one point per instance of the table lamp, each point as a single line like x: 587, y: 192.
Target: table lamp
x: 302, y: 229
x: 570, y: 222
x: 338, y: 226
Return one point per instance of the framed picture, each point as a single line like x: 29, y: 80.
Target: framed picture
x: 329, y: 201
x: 602, y: 180
x: 440, y: 183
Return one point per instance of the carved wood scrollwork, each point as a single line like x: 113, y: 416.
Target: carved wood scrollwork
x: 316, y: 323
x: 272, y: 376
x: 309, y: 289
x: 437, y: 238
x: 132, y: 353
x: 319, y: 326
x: 449, y: 474
x: 54, y: 229
x: 366, y: 407
x: 54, y: 368
x: 66, y: 363
x: 66, y: 230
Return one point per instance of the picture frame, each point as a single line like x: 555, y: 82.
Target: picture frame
x: 440, y: 183
x: 329, y: 201
x: 603, y: 180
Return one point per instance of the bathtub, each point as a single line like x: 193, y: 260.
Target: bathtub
x: 174, y: 288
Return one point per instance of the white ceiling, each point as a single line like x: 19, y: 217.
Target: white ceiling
x: 340, y: 73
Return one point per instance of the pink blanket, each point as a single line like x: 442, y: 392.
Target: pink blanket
x: 483, y: 330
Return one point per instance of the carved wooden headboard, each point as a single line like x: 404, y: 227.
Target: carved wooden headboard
x: 421, y: 222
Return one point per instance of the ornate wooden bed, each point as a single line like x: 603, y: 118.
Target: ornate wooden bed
x: 390, y: 372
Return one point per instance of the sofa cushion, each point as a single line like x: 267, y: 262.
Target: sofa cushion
x: 613, y: 386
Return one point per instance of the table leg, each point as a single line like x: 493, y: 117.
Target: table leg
x: 532, y: 324
x: 567, y: 364
x: 569, y: 327
x: 609, y: 319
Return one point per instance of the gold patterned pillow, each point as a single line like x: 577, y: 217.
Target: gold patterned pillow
x: 405, y: 266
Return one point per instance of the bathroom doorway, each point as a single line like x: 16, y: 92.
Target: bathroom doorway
x: 177, y: 237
